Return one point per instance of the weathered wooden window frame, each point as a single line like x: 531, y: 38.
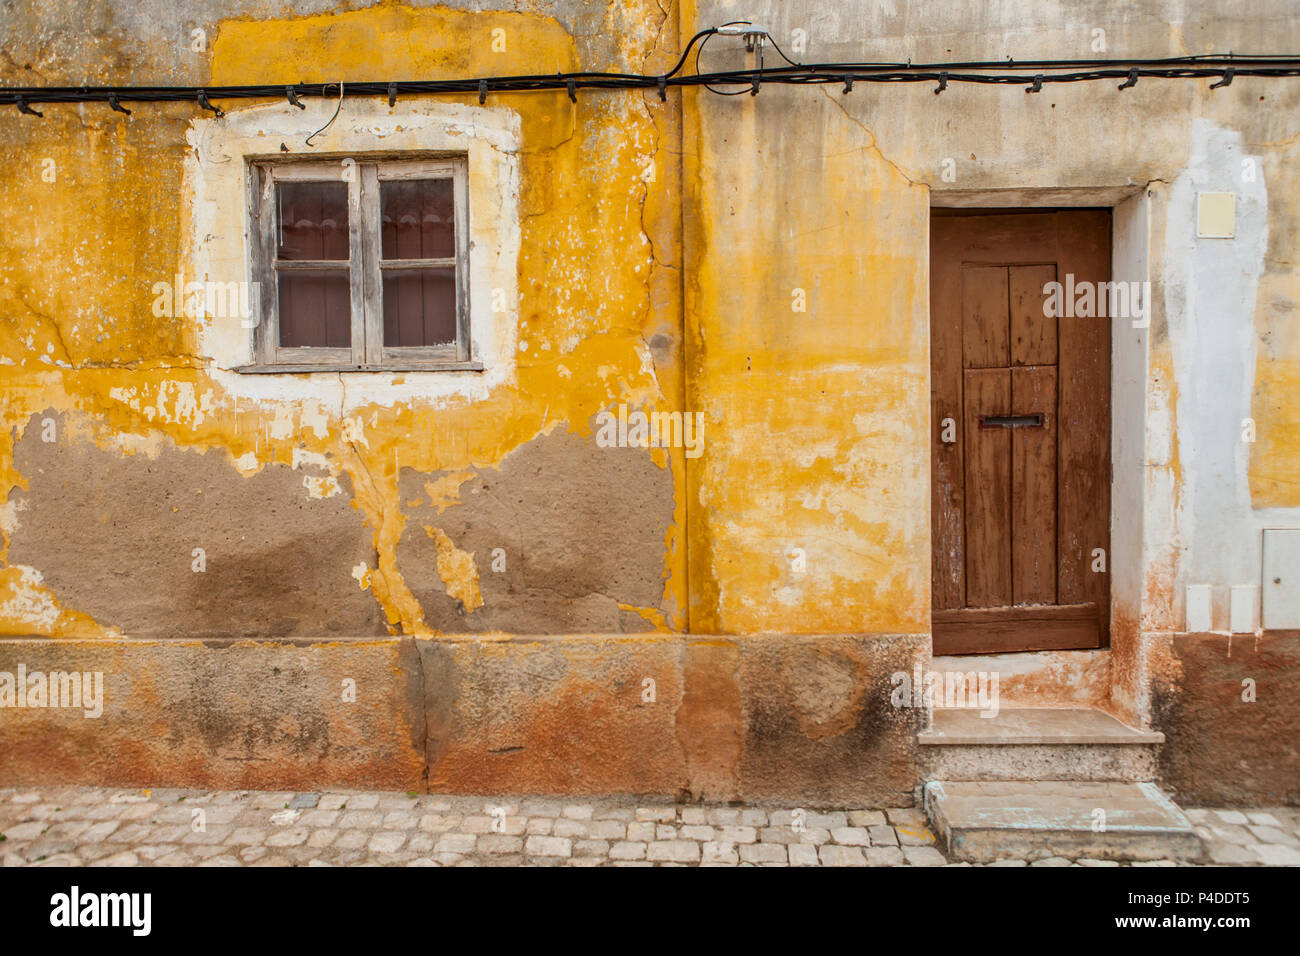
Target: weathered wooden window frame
x: 365, y: 267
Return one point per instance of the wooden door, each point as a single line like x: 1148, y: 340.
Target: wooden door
x: 1020, y: 411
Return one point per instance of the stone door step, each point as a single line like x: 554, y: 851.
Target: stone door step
x: 983, y: 822
x: 1036, y: 743
x: 1032, y: 725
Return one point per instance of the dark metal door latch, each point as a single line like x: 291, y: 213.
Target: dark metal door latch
x: 1032, y: 420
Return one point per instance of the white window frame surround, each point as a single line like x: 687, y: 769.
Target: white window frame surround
x: 364, y: 176
x: 218, y: 235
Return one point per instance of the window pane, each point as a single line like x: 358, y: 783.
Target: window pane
x: 315, y: 310
x: 419, y: 307
x: 313, y: 220
x: 419, y: 219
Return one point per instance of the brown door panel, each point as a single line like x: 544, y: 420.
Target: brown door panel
x: 1020, y: 505
x: 988, y: 489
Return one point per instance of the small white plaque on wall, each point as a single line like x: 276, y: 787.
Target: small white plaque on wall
x: 1198, y: 609
x: 1216, y: 215
x: 1244, y: 611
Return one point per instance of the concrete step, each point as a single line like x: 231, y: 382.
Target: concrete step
x: 1036, y: 743
x: 1036, y: 678
x: 983, y: 822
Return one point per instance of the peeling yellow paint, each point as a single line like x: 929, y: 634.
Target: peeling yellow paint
x: 445, y: 491
x: 82, y: 338
x: 457, y: 570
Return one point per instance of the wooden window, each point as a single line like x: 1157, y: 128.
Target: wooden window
x: 360, y: 265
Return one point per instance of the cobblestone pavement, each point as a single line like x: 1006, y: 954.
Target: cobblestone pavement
x: 78, y: 826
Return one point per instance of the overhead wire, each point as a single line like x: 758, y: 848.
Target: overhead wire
x: 1224, y: 68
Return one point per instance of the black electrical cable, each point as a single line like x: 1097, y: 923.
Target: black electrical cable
x: 700, y: 51
x: 1223, y: 68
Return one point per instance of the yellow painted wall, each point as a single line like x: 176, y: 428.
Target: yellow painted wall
x: 79, y: 255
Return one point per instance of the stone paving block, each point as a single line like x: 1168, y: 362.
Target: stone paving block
x: 885, y: 856
x: 565, y: 827
x: 883, y: 836
x: 419, y: 842
x: 1233, y: 834
x: 657, y: 814
x: 352, y: 839
x: 641, y: 831
x: 320, y: 839
x: 866, y: 818
x: 247, y: 836
x: 677, y: 851
x: 763, y: 853
x: 387, y: 842
x: 25, y: 831
x: 923, y: 856
x: 714, y: 853
x: 851, y: 836
x: 549, y: 846
x: 70, y: 830
x: 628, y: 850
x: 292, y: 836
x: 459, y: 843
x: 1230, y: 853
x: 497, y: 843
x: 598, y: 848
x: 803, y: 854
x: 1271, y: 834
x: 208, y: 836
x: 357, y: 819
x: 404, y: 820
x: 1275, y: 855
x: 833, y: 855
x: 736, y: 834
x: 607, y: 830
x: 319, y: 818
x: 914, y: 835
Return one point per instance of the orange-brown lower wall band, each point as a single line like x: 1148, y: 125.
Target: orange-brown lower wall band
x: 790, y: 718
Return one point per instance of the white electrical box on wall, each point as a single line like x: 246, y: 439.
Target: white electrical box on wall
x: 1198, y: 608
x: 1281, y: 583
x: 1243, y: 609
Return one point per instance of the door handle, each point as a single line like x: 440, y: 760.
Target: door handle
x: 1032, y: 420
